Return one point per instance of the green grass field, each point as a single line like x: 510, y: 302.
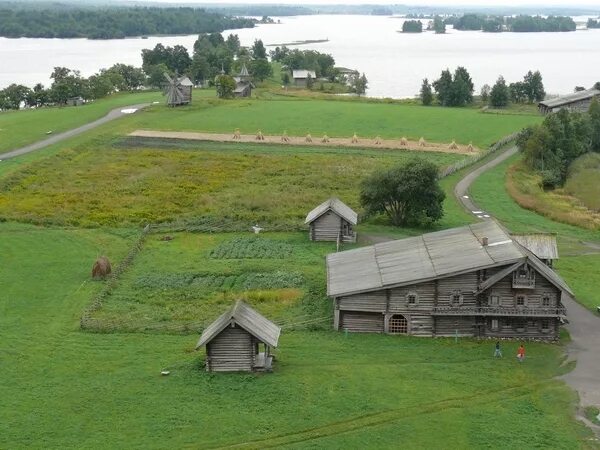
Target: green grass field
x: 581, y: 271
x: 338, y: 118
x: 113, y: 184
x: 20, y: 128
x: 181, y: 284
x: 63, y: 388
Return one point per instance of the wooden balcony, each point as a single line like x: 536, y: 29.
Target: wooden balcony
x: 498, y: 311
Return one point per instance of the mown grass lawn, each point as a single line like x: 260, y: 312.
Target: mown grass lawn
x: 63, y: 388
x: 337, y: 118
x: 20, y: 128
x: 581, y: 271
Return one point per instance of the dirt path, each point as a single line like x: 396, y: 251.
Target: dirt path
x: 53, y: 139
x: 583, y: 326
x: 394, y: 144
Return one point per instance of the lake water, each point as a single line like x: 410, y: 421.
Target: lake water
x: 394, y: 63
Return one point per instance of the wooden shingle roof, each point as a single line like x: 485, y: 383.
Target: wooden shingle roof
x: 247, y: 318
x: 427, y: 257
x: 542, y: 245
x: 571, y: 98
x: 335, y: 205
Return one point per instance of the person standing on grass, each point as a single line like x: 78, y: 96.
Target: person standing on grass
x: 521, y: 353
x: 497, y: 351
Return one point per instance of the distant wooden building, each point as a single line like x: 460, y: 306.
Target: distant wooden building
x: 332, y: 220
x: 300, y: 77
x: 240, y: 340
x: 469, y: 281
x: 243, y: 83
x: 578, y: 101
x: 75, y: 101
x: 178, y: 90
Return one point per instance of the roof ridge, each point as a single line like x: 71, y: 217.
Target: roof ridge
x: 429, y: 255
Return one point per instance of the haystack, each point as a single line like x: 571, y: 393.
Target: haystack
x: 260, y: 136
x: 470, y: 147
x: 236, y: 134
x: 422, y: 142
x: 325, y: 139
x: 403, y: 142
x: 284, y: 137
x: 355, y: 139
x: 377, y: 140
x: 453, y: 146
x: 101, y: 268
x: 308, y: 138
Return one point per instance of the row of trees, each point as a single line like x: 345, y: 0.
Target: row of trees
x: 593, y: 23
x: 457, y: 90
x: 517, y: 24
x: 412, y: 26
x: 67, y: 84
x: 530, y: 90
x: 111, y: 23
x: 451, y: 89
x: 551, y: 147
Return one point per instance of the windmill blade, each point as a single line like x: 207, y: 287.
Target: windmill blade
x: 169, y: 79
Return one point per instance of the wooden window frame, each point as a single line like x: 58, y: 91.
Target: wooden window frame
x: 457, y: 294
x: 491, y: 301
x: 546, y: 329
x: 524, y: 305
x: 546, y: 300
x: 398, y: 328
x: 408, y: 297
x: 495, y: 327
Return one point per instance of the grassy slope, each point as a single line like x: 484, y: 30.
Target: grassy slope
x: 20, y: 128
x: 66, y: 389
x: 583, y: 178
x: 338, y: 118
x: 581, y: 272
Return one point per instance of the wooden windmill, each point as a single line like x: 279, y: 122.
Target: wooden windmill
x: 178, y: 90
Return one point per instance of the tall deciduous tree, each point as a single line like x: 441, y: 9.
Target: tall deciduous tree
x: 408, y: 194
x: 225, y: 86
x: 258, y: 50
x: 443, y: 88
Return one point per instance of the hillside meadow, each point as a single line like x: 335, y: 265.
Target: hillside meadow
x: 64, y: 388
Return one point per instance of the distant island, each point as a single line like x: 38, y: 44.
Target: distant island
x: 112, y: 23
x: 304, y: 42
x: 518, y: 24
x: 412, y: 26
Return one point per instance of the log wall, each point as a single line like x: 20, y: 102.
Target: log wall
x: 358, y: 322
x: 232, y: 350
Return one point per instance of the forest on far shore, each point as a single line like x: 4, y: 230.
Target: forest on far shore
x: 112, y: 23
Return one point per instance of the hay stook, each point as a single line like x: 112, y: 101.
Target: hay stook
x: 101, y: 268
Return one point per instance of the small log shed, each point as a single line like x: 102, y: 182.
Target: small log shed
x: 240, y: 340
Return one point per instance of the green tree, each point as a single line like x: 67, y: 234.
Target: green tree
x: 156, y: 76
x: 594, y: 113
x: 443, y: 88
x: 261, y: 69
x: 500, y: 94
x: 233, y: 43
x: 408, y: 194
x: 412, y: 26
x: 438, y: 25
x: 14, y: 95
x: 309, y: 81
x: 534, y: 86
x: 99, y: 86
x: 462, y: 88
x: 359, y: 84
x: 484, y: 93
x: 285, y: 78
x: 258, y: 50
x: 225, y: 86
x: 426, y: 93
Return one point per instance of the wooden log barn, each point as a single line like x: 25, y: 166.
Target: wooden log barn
x: 469, y: 281
x: 333, y: 221
x: 240, y: 340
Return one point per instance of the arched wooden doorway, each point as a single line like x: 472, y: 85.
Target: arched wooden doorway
x: 398, y: 324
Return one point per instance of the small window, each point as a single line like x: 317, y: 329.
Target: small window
x: 494, y: 300
x: 507, y: 323
x: 531, y: 324
x: 456, y: 298
x: 546, y: 300
x: 494, y: 324
x: 520, y: 300
x: 412, y: 298
x: 545, y: 325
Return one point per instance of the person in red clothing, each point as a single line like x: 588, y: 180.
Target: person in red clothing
x: 521, y: 353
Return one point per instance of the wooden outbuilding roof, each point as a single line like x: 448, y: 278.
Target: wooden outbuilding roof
x: 303, y: 74
x: 243, y: 315
x: 427, y: 257
x: 185, y: 81
x: 542, y: 245
x: 571, y: 98
x: 335, y: 205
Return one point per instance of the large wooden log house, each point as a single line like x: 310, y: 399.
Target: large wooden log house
x: 469, y: 281
x: 579, y: 101
x: 240, y: 340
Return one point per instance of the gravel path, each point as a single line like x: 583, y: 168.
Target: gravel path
x: 583, y: 326
x: 53, y: 139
